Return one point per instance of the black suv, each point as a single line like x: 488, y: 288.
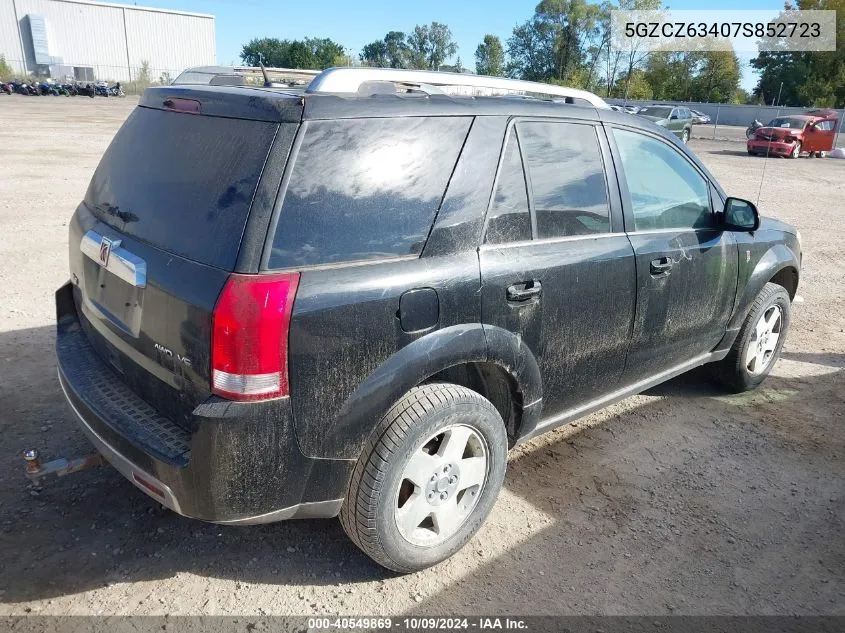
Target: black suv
x: 310, y: 305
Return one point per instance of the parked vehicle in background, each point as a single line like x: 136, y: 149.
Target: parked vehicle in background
x: 294, y: 312
x: 631, y: 109
x: 699, y: 118
x: 676, y: 119
x: 794, y: 135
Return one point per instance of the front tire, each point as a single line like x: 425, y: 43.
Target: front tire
x: 685, y: 136
x: 427, y: 478
x: 796, y: 150
x: 760, y: 341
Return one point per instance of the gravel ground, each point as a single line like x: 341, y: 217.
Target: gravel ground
x: 680, y: 501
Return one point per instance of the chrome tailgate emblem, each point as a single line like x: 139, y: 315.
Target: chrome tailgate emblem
x: 109, y: 254
x: 105, y: 251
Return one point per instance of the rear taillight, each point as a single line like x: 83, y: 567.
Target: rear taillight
x: 249, y: 336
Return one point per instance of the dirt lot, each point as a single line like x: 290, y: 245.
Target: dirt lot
x: 682, y: 500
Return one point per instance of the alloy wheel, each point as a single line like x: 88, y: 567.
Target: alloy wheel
x: 441, y: 484
x: 761, y: 348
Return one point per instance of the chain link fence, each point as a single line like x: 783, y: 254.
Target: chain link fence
x: 133, y: 79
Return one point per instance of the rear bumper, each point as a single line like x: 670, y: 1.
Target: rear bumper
x: 240, y: 465
x: 771, y: 147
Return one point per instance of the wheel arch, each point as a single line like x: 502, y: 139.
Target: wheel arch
x: 489, y: 360
x: 779, y: 265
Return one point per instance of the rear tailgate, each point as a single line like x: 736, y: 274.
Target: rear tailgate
x: 160, y: 229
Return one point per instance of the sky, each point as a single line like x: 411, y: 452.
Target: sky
x: 354, y: 24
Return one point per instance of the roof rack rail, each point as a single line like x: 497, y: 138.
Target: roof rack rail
x: 353, y: 80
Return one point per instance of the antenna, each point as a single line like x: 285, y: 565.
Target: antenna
x: 766, y: 160
x: 267, y: 82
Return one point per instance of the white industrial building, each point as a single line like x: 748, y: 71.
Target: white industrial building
x: 90, y: 40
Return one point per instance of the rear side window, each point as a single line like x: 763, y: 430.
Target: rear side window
x: 566, y: 177
x: 183, y: 183
x: 365, y: 189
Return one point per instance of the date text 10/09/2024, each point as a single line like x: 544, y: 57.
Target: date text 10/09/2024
x: 419, y: 624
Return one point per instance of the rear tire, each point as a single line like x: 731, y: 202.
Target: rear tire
x: 685, y: 136
x: 759, y: 343
x: 427, y: 478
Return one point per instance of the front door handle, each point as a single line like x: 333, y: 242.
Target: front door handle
x: 661, y: 266
x: 524, y: 291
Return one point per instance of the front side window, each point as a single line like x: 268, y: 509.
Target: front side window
x: 567, y: 178
x: 666, y: 191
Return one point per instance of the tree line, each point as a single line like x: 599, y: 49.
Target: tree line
x: 568, y: 42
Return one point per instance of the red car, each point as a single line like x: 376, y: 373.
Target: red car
x: 796, y: 134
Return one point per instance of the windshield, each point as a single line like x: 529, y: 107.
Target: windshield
x: 662, y: 113
x: 784, y: 122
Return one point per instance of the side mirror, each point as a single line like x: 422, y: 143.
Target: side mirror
x: 740, y: 215
x: 674, y: 116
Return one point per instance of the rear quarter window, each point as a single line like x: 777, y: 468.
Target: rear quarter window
x: 364, y: 189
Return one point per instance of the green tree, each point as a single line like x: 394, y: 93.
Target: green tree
x: 635, y: 57
x: 531, y: 51
x: 397, y: 49
x: 324, y: 51
x: 490, y: 57
x: 814, y: 78
x: 312, y: 52
x: 375, y: 54
x: 6, y: 70
x: 670, y: 75
x: 427, y: 47
x: 145, y: 77
x: 269, y: 50
x: 441, y: 45
x: 637, y: 87
x: 390, y: 52
x: 717, y: 78
x: 561, y: 38
x: 418, y: 45
x: 300, y: 55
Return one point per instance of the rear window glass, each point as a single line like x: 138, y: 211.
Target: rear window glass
x: 182, y: 182
x: 365, y: 189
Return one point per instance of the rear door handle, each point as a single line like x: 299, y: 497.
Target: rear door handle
x: 661, y: 266
x: 524, y: 291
